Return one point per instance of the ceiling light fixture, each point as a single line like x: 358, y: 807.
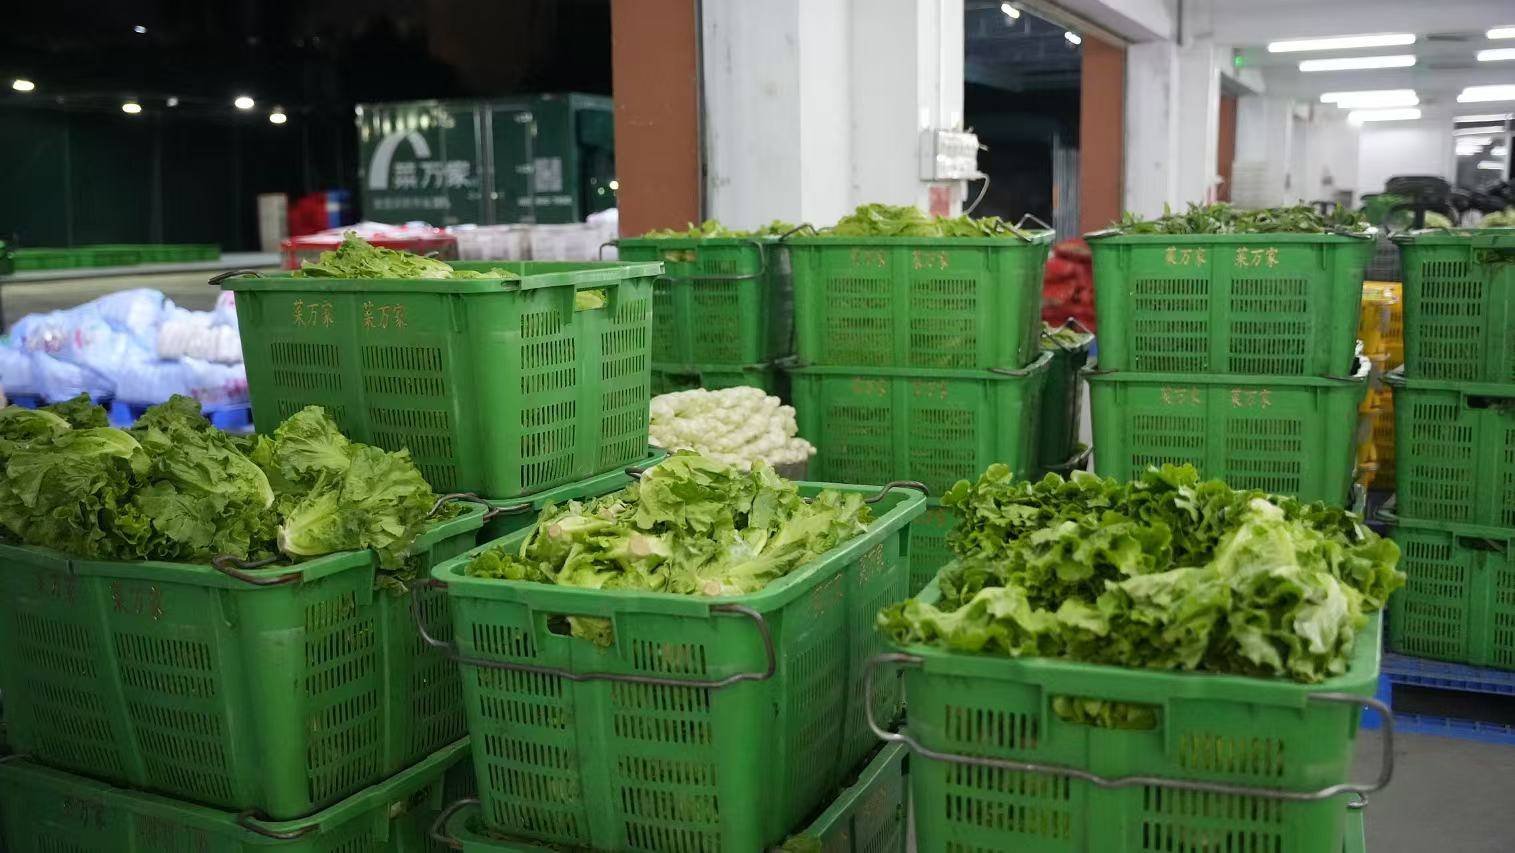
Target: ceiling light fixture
x: 1372, y: 98
x: 1010, y: 11
x: 21, y: 84
x: 1073, y: 38
x: 278, y: 116
x: 1405, y: 114
x: 1485, y: 117
x: 1500, y: 150
x: 1358, y: 63
x: 1491, y: 165
x: 244, y: 102
x: 1341, y: 43
x: 140, y: 30
x: 1479, y: 94
x: 173, y: 101
x: 131, y: 108
x: 1501, y: 33
x: 1501, y: 54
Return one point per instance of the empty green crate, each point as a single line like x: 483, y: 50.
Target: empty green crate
x: 499, y: 387
x: 511, y: 514
x: 868, y: 816
x: 720, y: 300
x: 1454, y: 455
x: 1458, y: 601
x: 280, y: 698
x: 937, y: 427
x: 917, y: 302
x: 1459, y: 304
x: 170, y: 253
x: 668, y: 378
x: 111, y: 255
x: 34, y: 260
x: 48, y: 811
x: 1062, y: 403
x: 630, y: 765
x: 1254, y: 732
x: 1261, y: 304
x: 1289, y: 435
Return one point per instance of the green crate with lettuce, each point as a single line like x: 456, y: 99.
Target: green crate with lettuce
x: 1108, y: 660
x: 223, y: 619
x: 703, y: 628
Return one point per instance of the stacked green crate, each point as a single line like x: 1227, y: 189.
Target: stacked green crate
x: 1454, y: 422
x: 722, y: 310
x: 1231, y: 352
x: 918, y: 358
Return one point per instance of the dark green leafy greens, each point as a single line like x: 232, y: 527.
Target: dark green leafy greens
x: 1164, y: 572
x: 1222, y: 218
x: 1499, y: 219
x: 712, y: 228
x: 889, y: 220
x: 80, y: 412
x: 175, y: 488
x: 690, y: 526
x: 357, y: 258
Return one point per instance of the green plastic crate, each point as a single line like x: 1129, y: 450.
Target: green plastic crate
x: 630, y: 759
x: 1454, y: 454
x: 937, y: 427
x: 868, y: 816
x: 1458, y: 601
x: 48, y: 811
x: 1171, y: 303
x: 113, y: 255
x: 1459, y: 304
x: 282, y: 698
x: 180, y: 253
x: 720, y: 300
x: 1062, y: 402
x: 928, y: 543
x: 1357, y: 838
x: 667, y: 378
x: 1289, y: 435
x: 1252, y: 732
x: 497, y: 387
x: 932, y: 303
x: 512, y: 514
x: 33, y: 260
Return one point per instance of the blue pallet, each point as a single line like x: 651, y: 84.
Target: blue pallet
x: 1440, y: 675
x: 35, y: 401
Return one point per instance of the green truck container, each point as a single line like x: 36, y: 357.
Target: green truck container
x: 537, y: 159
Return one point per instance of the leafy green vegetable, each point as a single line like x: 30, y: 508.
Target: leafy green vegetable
x: 175, y: 488
x: 889, y: 220
x: 357, y: 258
x: 689, y: 526
x: 1222, y: 218
x: 1499, y: 219
x: 80, y: 412
x: 712, y: 228
x: 1065, y: 336
x: 1166, y: 572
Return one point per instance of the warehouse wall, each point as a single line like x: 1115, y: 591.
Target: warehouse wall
x: 1421, y: 148
x: 72, y: 178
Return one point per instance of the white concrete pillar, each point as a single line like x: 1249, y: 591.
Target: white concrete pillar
x: 1152, y: 103
x: 815, y: 106
x: 1198, y: 122
x: 1265, y: 142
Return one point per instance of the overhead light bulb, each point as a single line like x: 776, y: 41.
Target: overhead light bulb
x: 172, y: 101
x: 1358, y: 63
x: 278, y: 116
x: 1501, y: 54
x: 1501, y: 33
x: 21, y: 84
x: 131, y: 108
x: 140, y: 30
x: 1010, y: 11
x: 1073, y: 38
x: 614, y: 184
x: 1500, y: 150
x: 1478, y: 94
x: 244, y: 102
x: 1360, y: 116
x: 1491, y: 165
x: 1372, y: 98
x: 1484, y: 117
x: 1341, y: 43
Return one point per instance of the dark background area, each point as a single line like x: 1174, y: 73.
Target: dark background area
x: 75, y: 169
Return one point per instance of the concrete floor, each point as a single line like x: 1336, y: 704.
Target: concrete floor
x: 1447, y: 795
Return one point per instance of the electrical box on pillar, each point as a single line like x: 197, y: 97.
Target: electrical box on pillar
x: 948, y: 158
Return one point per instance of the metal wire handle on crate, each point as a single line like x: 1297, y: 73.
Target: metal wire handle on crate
x: 1386, y: 771
x: 236, y: 567
x: 490, y: 510
x: 438, y: 831
x: 764, y: 632
x: 248, y: 820
x: 898, y: 484
x: 215, y: 280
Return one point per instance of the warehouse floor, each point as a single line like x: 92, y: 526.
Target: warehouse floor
x: 1447, y: 794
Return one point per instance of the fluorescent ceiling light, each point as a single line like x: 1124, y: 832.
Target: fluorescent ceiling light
x: 21, y: 84
x: 1501, y: 33
x: 1341, y: 43
x: 277, y: 116
x: 1485, y: 117
x: 1496, y: 55
x: 1404, y: 114
x: 1491, y: 165
x: 1372, y: 98
x: 1010, y: 11
x: 1479, y: 94
x: 1356, y: 63
x: 131, y: 108
x: 1473, y: 131
x: 1073, y: 38
x: 1500, y: 151
x: 243, y: 102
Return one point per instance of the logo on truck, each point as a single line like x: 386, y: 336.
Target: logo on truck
x: 421, y: 172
